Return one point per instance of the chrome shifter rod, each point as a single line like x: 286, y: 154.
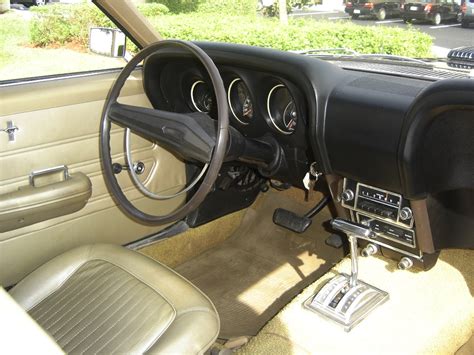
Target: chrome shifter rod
x: 353, y: 231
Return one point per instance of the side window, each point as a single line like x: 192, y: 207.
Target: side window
x: 55, y: 39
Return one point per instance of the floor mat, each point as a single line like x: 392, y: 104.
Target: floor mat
x: 261, y: 267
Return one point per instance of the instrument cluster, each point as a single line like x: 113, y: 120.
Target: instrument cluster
x: 271, y: 100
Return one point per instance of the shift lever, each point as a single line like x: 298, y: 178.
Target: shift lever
x: 344, y: 298
x: 352, y: 231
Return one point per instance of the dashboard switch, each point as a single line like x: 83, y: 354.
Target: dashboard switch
x: 405, y: 213
x: 369, y: 250
x: 405, y: 263
x: 347, y: 195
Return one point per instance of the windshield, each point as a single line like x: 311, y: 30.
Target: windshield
x: 56, y: 36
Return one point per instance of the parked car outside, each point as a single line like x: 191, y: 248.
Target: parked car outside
x: 376, y: 8
x: 434, y: 11
x: 29, y: 3
x: 466, y: 16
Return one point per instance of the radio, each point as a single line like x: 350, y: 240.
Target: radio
x: 387, y: 213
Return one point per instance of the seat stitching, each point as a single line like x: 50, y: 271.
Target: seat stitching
x: 186, y: 312
x: 66, y: 296
x: 68, y: 276
x: 79, y: 294
x: 150, y: 286
x: 128, y: 336
x: 98, y: 305
x: 94, y: 307
x: 183, y: 279
x: 122, y: 316
x: 144, y: 308
x: 100, y: 293
x: 100, y: 324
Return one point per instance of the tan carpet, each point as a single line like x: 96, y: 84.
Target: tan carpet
x: 193, y: 242
x: 427, y: 313
x: 258, y: 270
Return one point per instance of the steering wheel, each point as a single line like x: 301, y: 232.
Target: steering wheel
x: 195, y: 136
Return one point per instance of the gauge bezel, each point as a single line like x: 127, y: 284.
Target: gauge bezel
x: 193, y: 86
x: 272, y: 119
x: 232, y: 83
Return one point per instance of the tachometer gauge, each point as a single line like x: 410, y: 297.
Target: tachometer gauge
x: 202, y: 96
x: 240, y: 103
x: 282, y: 109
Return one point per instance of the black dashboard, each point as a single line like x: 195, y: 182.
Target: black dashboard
x: 356, y: 127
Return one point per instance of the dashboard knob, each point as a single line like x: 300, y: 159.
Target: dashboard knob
x: 405, y: 263
x: 347, y: 195
x: 406, y: 213
x: 369, y: 250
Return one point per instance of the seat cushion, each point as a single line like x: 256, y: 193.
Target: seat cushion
x: 107, y: 299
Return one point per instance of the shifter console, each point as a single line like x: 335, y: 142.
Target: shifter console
x: 344, y: 298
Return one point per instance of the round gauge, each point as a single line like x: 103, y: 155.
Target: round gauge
x: 282, y: 109
x: 240, y: 104
x: 202, y: 96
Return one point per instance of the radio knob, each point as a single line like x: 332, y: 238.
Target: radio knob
x: 347, y: 195
x: 405, y: 263
x: 369, y: 250
x: 405, y: 213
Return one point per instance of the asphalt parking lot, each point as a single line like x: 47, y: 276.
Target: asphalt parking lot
x: 447, y: 35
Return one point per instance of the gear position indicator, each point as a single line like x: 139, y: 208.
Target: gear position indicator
x: 344, y: 298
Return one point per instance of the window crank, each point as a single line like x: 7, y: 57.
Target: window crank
x: 138, y: 167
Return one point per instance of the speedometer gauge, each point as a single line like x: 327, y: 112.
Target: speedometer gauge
x: 282, y: 109
x: 202, y: 96
x: 240, y: 103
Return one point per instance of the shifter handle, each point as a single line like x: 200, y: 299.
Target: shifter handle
x: 351, y: 228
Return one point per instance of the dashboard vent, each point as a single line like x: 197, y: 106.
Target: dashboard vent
x: 408, y: 71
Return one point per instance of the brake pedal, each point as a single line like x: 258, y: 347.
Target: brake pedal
x: 291, y: 220
x: 295, y: 223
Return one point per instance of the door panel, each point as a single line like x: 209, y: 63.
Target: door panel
x: 58, y: 123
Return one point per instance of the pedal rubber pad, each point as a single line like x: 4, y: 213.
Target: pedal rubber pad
x: 334, y: 241
x: 290, y: 220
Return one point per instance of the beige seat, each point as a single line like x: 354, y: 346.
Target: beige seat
x: 107, y: 299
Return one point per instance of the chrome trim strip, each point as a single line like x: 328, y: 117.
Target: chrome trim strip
x: 27, y: 81
x: 268, y: 108
x: 230, y: 103
x: 192, y: 94
x: 385, y: 236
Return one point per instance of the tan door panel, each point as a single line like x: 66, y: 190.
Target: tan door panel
x: 58, y: 124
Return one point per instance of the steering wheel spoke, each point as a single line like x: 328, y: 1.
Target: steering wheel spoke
x: 192, y: 136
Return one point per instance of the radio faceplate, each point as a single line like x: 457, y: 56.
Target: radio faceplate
x: 387, y: 213
x: 378, y: 203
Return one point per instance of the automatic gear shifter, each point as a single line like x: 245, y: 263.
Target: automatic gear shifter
x: 344, y: 298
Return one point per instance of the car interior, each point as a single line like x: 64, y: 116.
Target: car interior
x: 218, y: 198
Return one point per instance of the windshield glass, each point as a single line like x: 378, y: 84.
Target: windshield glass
x: 56, y: 36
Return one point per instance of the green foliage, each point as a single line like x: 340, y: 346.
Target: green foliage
x: 59, y: 23
x: 298, y: 35
x: 13, y: 33
x: 178, y: 6
x: 274, y: 10
x: 152, y: 9
x: 229, y: 7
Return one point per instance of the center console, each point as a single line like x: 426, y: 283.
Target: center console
x: 391, y: 218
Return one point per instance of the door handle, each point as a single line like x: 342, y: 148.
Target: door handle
x: 51, y: 193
